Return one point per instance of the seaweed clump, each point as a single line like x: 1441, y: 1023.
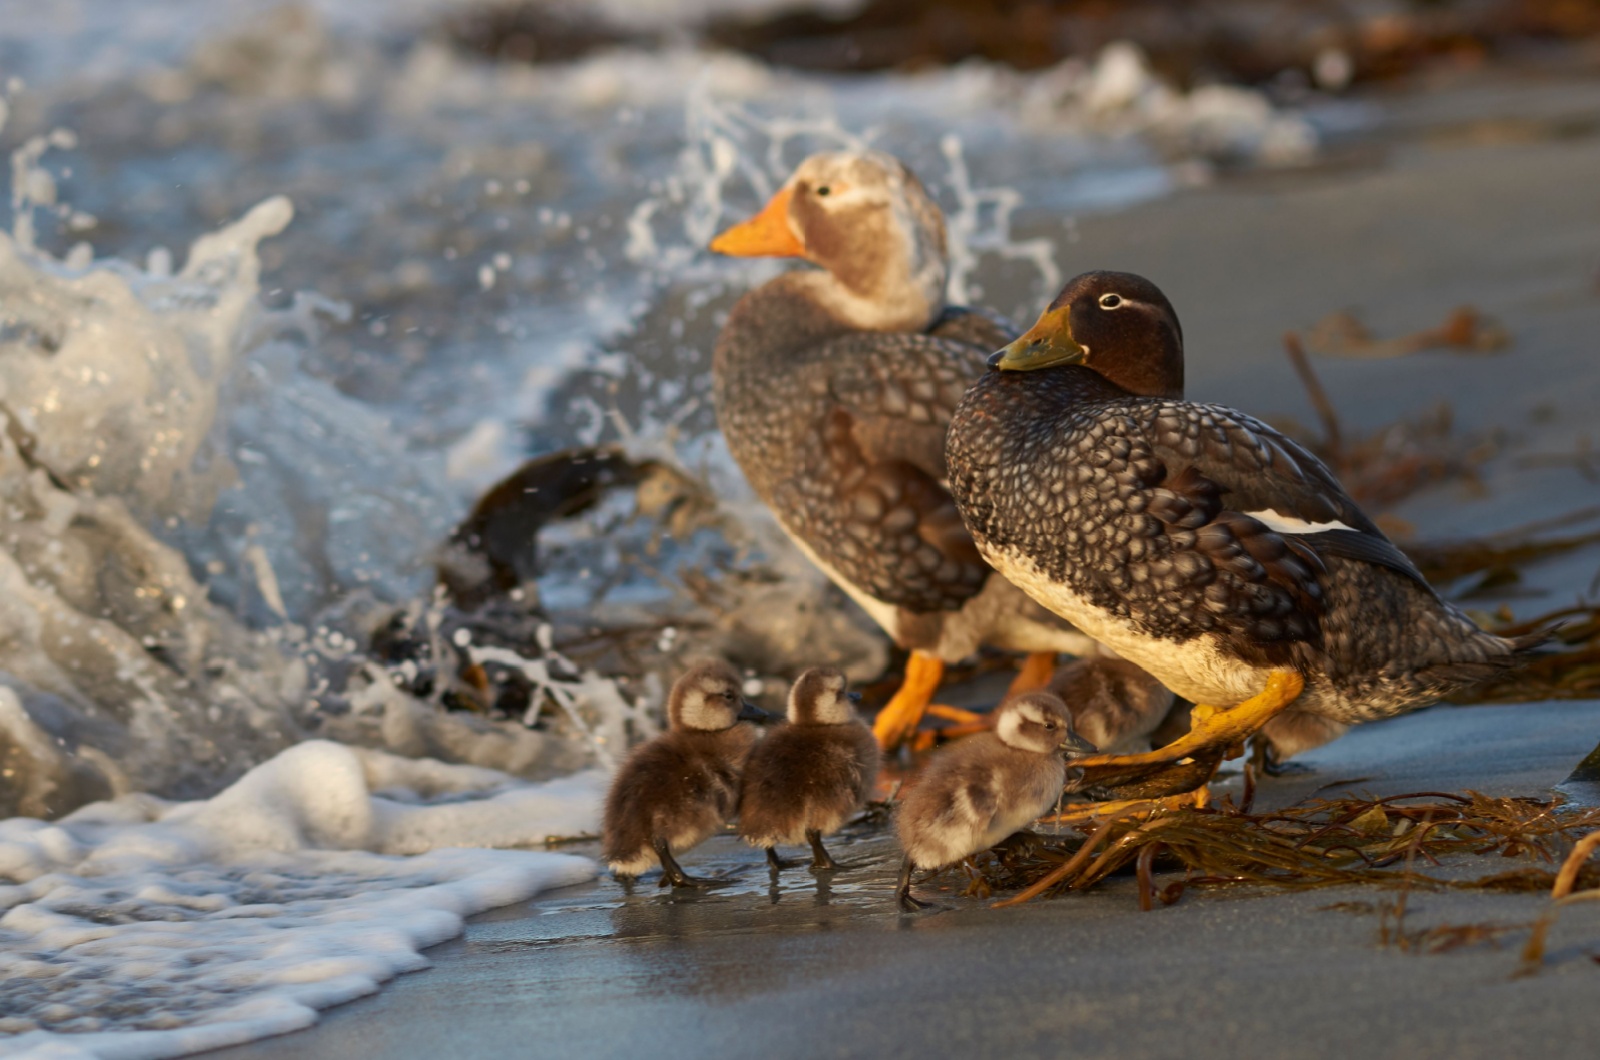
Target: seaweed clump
x: 1319, y: 843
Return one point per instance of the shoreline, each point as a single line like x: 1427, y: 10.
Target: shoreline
x: 798, y: 969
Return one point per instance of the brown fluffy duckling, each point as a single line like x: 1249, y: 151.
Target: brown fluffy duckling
x: 1115, y: 705
x: 834, y: 386
x: 683, y: 786
x: 807, y: 778
x: 976, y: 792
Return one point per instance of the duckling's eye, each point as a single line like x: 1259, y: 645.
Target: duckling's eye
x: 1050, y: 725
x: 1110, y: 301
x: 825, y: 190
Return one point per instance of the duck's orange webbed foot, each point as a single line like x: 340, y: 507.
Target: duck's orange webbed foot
x: 900, y: 716
x: 1189, y: 761
x: 962, y: 723
x: 1034, y: 673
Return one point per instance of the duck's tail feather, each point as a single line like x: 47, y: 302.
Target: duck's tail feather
x: 1514, y: 653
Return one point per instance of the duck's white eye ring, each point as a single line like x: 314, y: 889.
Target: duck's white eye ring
x: 1110, y: 301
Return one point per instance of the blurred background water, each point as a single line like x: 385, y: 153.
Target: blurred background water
x: 235, y: 446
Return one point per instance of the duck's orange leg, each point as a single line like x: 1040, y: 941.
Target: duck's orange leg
x: 899, y: 718
x: 1211, y: 726
x: 1034, y: 673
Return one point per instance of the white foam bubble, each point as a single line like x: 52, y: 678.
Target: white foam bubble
x: 145, y: 928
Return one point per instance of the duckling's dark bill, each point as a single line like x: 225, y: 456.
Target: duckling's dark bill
x: 750, y: 712
x: 1048, y: 343
x: 1073, y: 745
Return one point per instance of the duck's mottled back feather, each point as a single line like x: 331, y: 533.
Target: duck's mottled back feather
x: 974, y: 326
x: 845, y: 440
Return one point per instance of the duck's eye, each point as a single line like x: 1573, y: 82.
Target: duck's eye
x: 1110, y: 301
x: 1050, y: 725
x: 825, y: 190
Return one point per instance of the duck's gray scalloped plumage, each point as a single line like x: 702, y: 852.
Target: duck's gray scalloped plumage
x: 834, y: 388
x: 1198, y: 542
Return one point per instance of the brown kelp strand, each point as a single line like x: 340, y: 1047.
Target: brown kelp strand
x: 1254, y: 43
x: 1384, y: 466
x: 1466, y: 329
x: 1402, y: 841
x: 1443, y: 561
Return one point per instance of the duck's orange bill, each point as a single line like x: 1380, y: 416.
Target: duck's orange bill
x: 766, y: 235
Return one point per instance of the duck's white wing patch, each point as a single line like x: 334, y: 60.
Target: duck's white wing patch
x: 1288, y: 524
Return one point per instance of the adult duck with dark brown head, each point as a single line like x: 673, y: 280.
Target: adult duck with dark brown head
x: 834, y: 387
x: 1197, y: 542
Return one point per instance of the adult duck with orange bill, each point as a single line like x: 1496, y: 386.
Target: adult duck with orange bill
x: 834, y: 387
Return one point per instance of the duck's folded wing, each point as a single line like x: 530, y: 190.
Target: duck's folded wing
x: 876, y: 508
x: 1247, y: 519
x: 1274, y: 480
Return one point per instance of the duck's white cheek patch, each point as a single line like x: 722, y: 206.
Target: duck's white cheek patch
x: 1288, y: 524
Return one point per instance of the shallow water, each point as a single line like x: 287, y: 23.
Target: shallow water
x: 450, y: 264
x: 234, y: 454
x: 169, y: 928
x: 802, y: 965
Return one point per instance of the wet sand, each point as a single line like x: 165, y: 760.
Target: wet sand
x: 1476, y: 206
x: 806, y: 969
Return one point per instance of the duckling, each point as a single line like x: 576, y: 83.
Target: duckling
x: 676, y: 790
x: 1194, y: 540
x: 834, y: 386
x: 1115, y: 705
x: 976, y: 792
x: 807, y: 778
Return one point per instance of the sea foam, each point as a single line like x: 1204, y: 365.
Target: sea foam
x: 139, y: 927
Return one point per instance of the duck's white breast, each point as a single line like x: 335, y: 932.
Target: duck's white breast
x: 1196, y: 669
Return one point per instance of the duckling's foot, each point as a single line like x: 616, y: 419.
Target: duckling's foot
x: 777, y: 864
x: 672, y: 873
x: 821, y: 860
x: 902, y: 891
x: 1189, y: 761
x: 899, y: 718
x: 1034, y: 673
